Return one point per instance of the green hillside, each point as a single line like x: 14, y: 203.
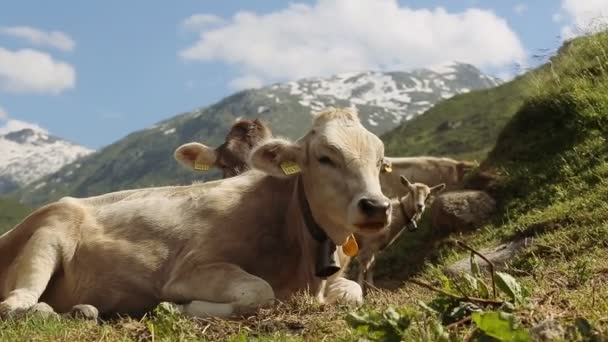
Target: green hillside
x: 465, y: 126
x: 549, y: 173
x: 11, y: 213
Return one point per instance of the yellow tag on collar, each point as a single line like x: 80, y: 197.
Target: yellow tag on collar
x: 198, y: 166
x: 350, y: 247
x: 387, y: 168
x: 290, y: 168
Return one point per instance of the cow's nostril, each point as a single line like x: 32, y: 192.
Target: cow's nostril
x: 370, y: 206
x: 420, y: 207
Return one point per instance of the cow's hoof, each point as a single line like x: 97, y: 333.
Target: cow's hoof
x: 344, y: 291
x: 5, y: 311
x: 42, y: 310
x: 8, y: 311
x: 84, y: 311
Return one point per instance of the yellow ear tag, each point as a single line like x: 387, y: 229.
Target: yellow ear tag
x: 388, y: 168
x: 198, y: 166
x: 350, y: 247
x: 290, y: 168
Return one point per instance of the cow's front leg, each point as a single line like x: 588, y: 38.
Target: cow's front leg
x: 342, y: 290
x: 217, y: 290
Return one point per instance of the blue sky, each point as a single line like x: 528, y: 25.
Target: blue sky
x: 93, y: 72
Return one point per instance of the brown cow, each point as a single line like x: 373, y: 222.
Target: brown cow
x: 231, y: 156
x: 427, y: 170
x: 413, y: 205
x: 220, y: 248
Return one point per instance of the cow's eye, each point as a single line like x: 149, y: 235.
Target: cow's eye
x: 325, y: 160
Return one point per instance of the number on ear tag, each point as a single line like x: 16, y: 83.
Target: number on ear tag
x: 290, y: 168
x: 200, y: 166
x: 350, y: 247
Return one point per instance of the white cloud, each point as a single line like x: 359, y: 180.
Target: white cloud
x: 520, y: 8
x: 335, y: 36
x: 246, y: 82
x: 198, y: 22
x: 13, y: 125
x: 557, y: 17
x: 31, y: 71
x: 55, y: 39
x: 583, y: 16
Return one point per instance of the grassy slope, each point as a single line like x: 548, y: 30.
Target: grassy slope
x: 475, y: 119
x: 549, y: 172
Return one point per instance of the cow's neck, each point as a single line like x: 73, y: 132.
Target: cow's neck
x: 403, y: 218
x: 303, y: 275
x: 325, y: 263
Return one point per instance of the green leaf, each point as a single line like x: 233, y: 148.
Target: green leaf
x: 507, y: 284
x: 439, y: 332
x: 463, y: 309
x: 475, y: 270
x: 388, y: 325
x: 427, y: 308
x: 482, y: 289
x: 500, y: 325
x: 470, y: 281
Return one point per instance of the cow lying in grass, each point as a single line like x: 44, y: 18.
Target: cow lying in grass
x: 427, y: 170
x: 413, y: 202
x: 231, y: 156
x: 412, y: 207
x: 220, y: 248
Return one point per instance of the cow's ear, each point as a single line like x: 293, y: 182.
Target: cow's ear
x: 276, y: 157
x: 438, y: 188
x: 196, y: 156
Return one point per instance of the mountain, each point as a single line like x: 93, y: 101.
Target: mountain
x: 385, y: 99
x: 145, y: 158
x: 29, y: 153
x: 464, y: 126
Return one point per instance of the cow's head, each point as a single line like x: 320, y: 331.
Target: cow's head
x: 231, y: 157
x: 419, y: 195
x: 339, y: 162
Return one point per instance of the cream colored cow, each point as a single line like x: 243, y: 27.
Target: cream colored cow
x: 220, y: 248
x: 426, y: 170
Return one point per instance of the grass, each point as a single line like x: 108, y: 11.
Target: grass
x: 549, y: 173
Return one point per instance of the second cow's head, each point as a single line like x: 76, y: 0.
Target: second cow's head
x: 231, y: 157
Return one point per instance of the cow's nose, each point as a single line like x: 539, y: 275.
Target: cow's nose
x: 420, y: 207
x: 373, y: 206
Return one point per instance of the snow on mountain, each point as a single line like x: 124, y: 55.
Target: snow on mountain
x: 388, y: 97
x: 28, y: 152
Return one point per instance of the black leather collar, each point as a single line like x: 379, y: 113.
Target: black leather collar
x: 325, y: 263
